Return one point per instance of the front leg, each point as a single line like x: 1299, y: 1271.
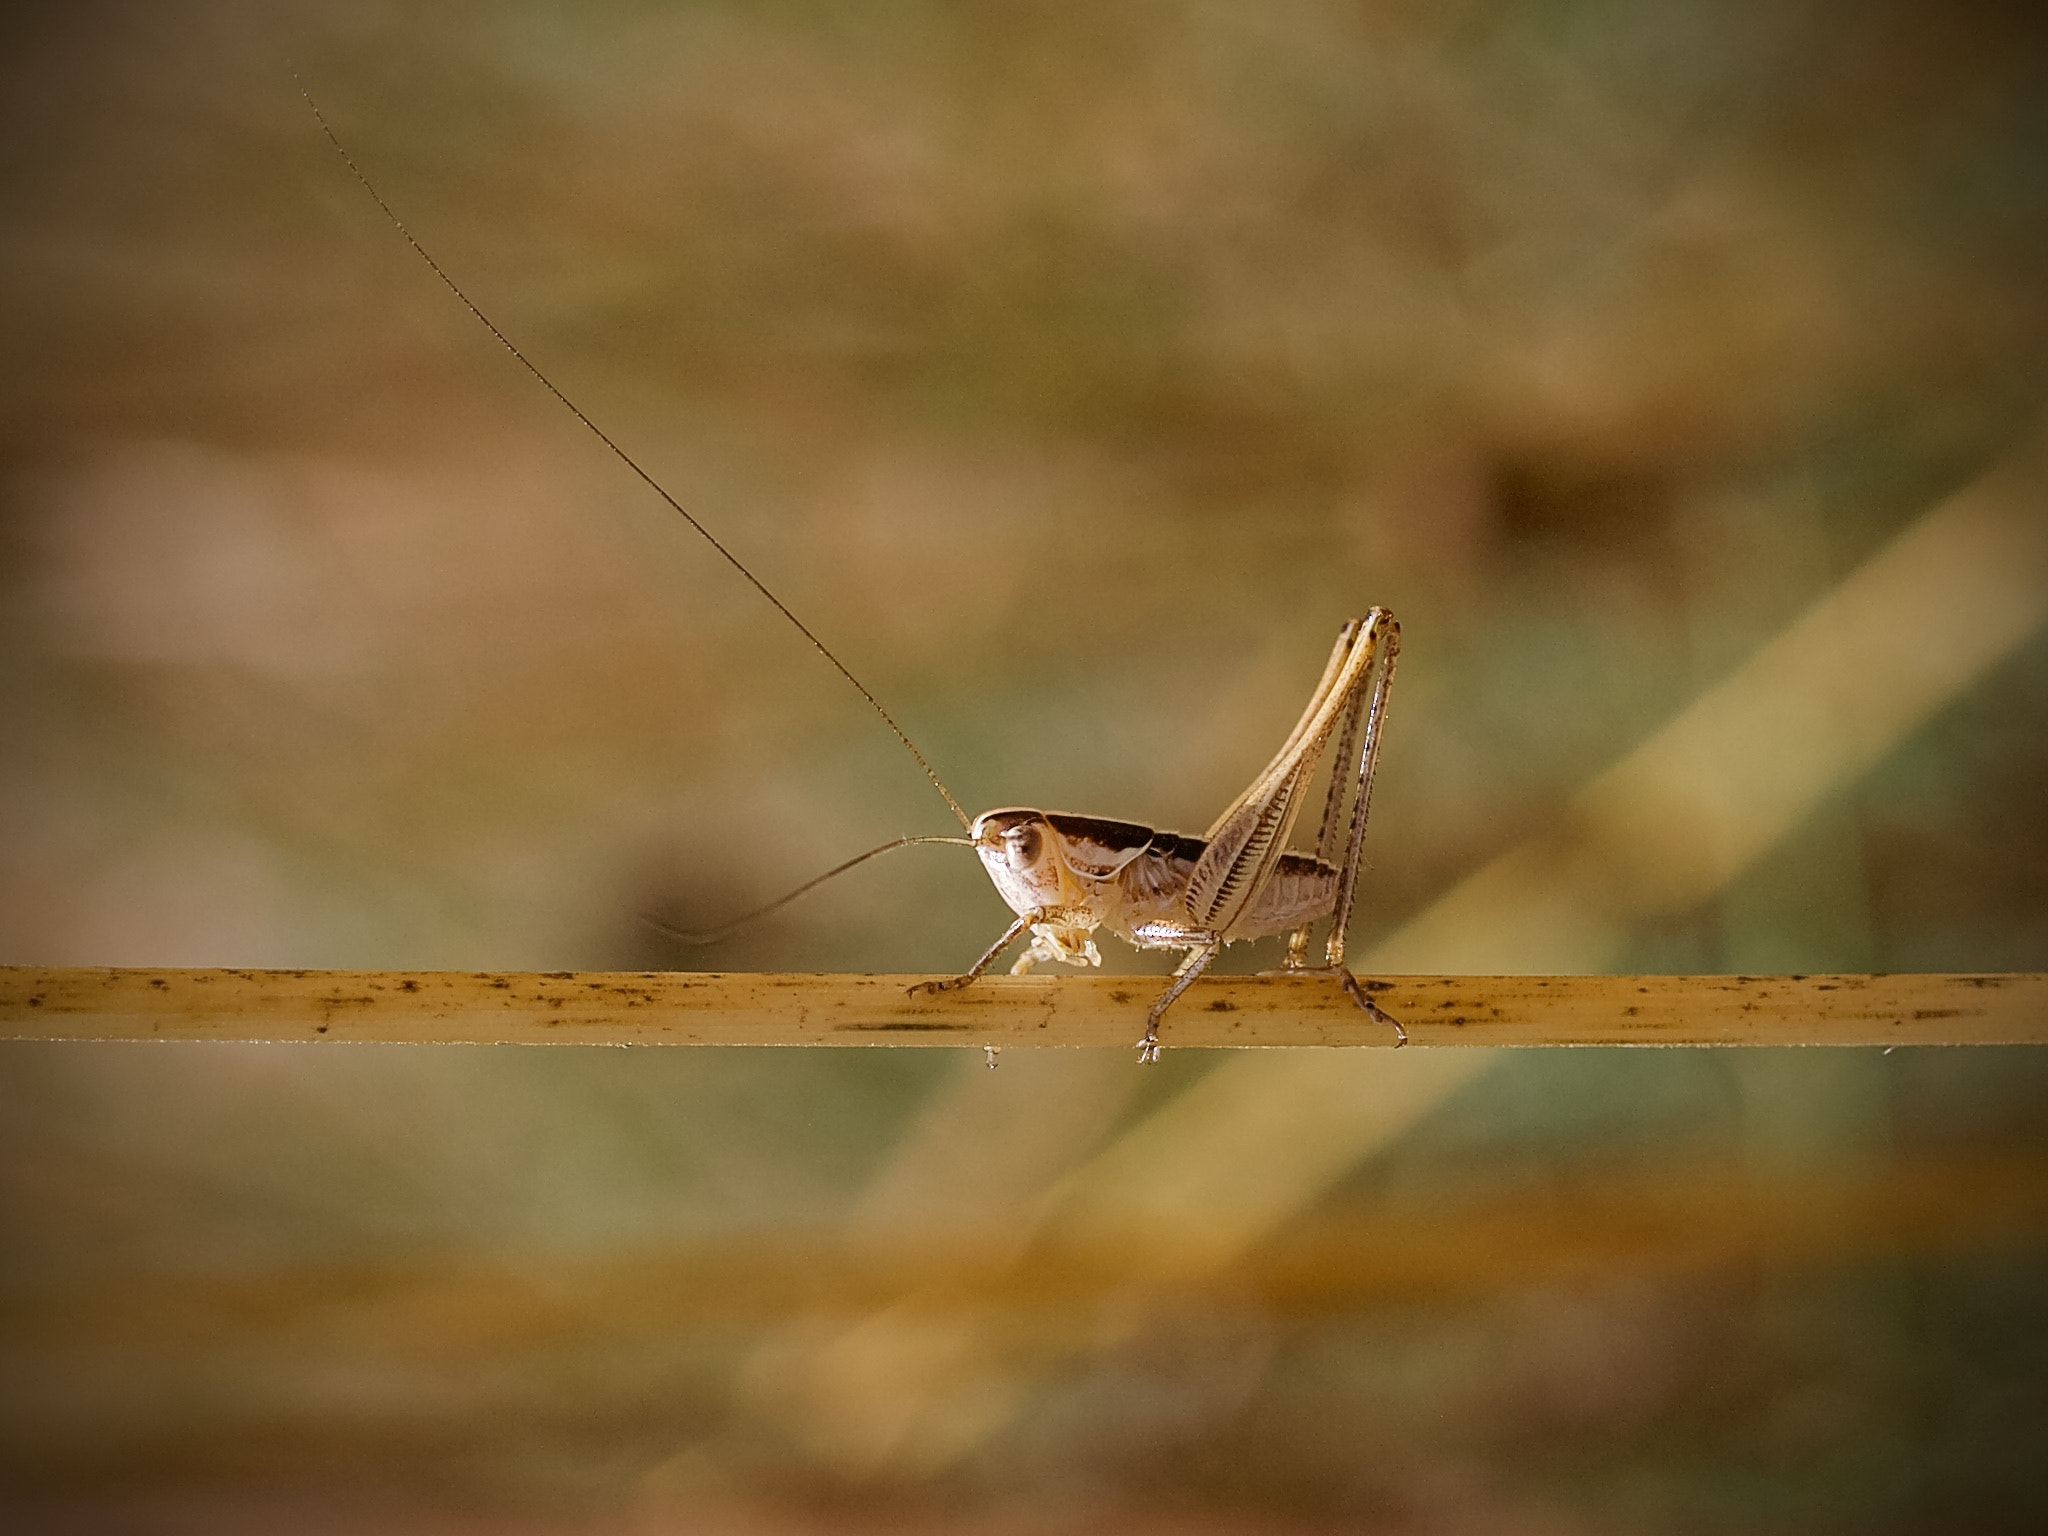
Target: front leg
x: 1009, y: 937
x: 1197, y: 962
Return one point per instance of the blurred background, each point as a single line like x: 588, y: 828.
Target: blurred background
x: 1675, y: 371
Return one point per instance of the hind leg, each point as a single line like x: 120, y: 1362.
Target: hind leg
x: 1353, y: 988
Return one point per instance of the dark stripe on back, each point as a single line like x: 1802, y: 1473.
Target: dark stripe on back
x: 1101, y: 830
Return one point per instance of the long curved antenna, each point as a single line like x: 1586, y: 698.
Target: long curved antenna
x: 713, y: 935
x: 626, y: 458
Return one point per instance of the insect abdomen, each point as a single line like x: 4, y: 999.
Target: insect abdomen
x: 1302, y: 890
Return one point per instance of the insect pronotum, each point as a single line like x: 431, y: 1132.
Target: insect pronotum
x: 1065, y: 876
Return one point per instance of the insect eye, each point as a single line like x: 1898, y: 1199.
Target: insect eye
x: 1024, y: 847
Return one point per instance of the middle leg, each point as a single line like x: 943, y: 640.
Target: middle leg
x: 1197, y: 962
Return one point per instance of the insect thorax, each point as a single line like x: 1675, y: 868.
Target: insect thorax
x: 1131, y: 879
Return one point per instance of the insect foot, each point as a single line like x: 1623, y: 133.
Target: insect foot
x: 1380, y: 1014
x: 1354, y: 989
x: 1148, y: 1050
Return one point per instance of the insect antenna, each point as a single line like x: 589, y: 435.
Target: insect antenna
x: 628, y: 460
x: 713, y: 935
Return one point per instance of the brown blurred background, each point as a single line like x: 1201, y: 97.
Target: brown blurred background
x: 1074, y: 369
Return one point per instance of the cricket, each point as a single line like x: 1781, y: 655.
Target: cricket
x: 1064, y: 876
